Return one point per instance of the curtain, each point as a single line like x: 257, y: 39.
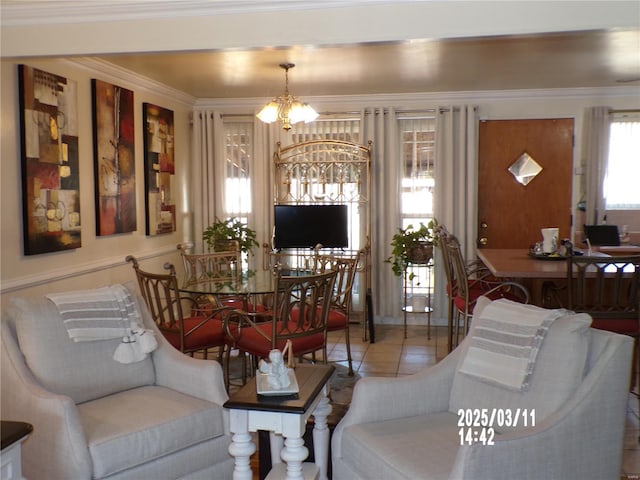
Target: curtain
x: 380, y: 126
x: 266, y: 137
x: 456, y: 183
x: 207, y: 175
x: 596, y: 148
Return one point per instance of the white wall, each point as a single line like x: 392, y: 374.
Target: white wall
x: 100, y: 260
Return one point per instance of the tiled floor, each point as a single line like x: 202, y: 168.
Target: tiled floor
x: 392, y: 355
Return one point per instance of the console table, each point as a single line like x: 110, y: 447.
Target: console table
x: 286, y: 417
x: 13, y: 434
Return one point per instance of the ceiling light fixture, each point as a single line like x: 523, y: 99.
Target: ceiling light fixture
x: 287, y: 108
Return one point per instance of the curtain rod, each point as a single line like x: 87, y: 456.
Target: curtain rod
x: 358, y: 112
x: 419, y: 110
x: 624, y: 111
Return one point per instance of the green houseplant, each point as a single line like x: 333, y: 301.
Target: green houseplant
x: 220, y: 233
x: 411, y: 245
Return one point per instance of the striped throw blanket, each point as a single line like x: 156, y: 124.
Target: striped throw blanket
x: 505, y: 342
x: 97, y: 314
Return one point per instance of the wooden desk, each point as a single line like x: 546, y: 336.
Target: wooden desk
x: 286, y: 416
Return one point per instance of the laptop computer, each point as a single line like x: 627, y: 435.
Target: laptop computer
x: 602, y: 235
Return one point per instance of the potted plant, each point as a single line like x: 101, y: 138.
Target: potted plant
x: 411, y: 245
x: 219, y: 234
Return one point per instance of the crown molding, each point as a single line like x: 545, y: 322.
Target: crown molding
x: 418, y: 100
x: 32, y: 12
x: 119, y: 74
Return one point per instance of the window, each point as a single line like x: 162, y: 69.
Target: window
x: 416, y: 203
x: 237, y: 174
x: 237, y: 193
x: 623, y: 165
x: 418, y: 153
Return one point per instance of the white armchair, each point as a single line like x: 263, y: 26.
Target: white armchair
x: 93, y: 417
x: 409, y: 427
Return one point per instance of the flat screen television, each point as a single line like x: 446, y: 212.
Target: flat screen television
x: 305, y: 226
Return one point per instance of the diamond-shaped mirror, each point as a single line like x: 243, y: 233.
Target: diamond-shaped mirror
x: 525, y: 168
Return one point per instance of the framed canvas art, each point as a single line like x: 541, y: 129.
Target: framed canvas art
x: 159, y: 167
x: 114, y: 158
x: 50, y: 176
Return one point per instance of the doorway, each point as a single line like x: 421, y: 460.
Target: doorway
x: 510, y: 213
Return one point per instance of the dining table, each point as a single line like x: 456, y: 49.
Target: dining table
x: 519, y: 263
x: 252, y: 287
x: 543, y: 275
x: 539, y: 274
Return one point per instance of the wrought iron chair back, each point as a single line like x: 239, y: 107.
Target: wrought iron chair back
x: 300, y: 309
x: 346, y: 268
x: 224, y: 266
x: 605, y: 287
x: 186, y: 325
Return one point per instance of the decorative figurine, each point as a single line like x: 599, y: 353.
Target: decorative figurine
x: 276, y: 371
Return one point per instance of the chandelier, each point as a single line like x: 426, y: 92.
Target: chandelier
x: 287, y: 108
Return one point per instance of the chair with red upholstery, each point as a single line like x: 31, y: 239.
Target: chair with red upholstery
x: 340, y: 311
x: 300, y: 309
x: 608, y: 289
x: 474, y: 269
x: 470, y: 284
x: 184, y: 323
x: 223, y: 267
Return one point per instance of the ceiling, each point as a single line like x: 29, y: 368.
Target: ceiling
x: 340, y: 47
x: 563, y: 60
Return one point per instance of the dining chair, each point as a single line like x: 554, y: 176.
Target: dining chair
x: 299, y: 314
x: 470, y: 282
x: 288, y: 260
x: 442, y: 241
x: 184, y: 323
x: 449, y: 247
x: 608, y: 289
x: 341, y: 300
x: 224, y: 267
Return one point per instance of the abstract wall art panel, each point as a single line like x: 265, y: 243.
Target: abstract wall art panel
x: 50, y: 176
x: 159, y: 167
x: 114, y: 158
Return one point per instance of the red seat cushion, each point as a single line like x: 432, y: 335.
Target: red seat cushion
x: 477, y: 292
x: 625, y: 326
x: 208, y: 335
x: 251, y: 341
x: 336, y: 320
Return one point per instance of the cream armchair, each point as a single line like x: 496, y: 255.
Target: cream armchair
x: 95, y: 418
x: 409, y: 427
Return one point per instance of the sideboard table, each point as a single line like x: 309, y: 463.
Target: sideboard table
x: 286, y: 417
x: 13, y: 434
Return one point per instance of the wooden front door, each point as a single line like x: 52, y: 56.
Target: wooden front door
x: 510, y: 215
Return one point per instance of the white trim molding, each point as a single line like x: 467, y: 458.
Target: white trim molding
x: 117, y: 73
x: 33, y: 12
x: 77, y: 270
